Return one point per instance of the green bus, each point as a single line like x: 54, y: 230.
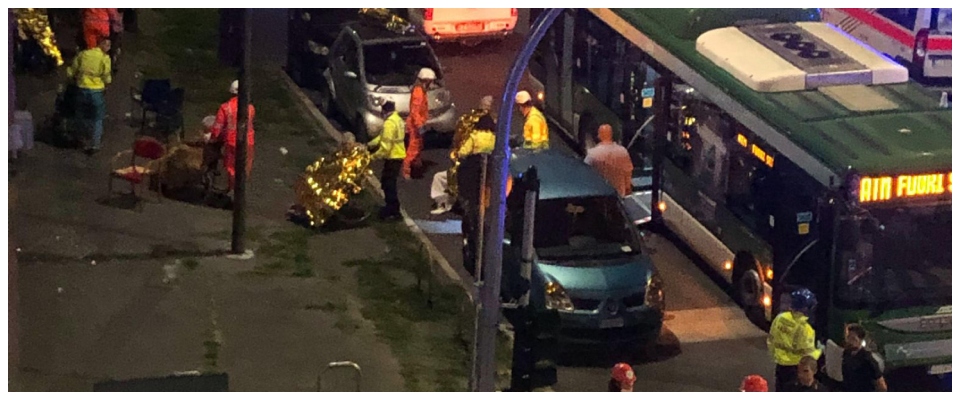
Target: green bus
x: 795, y: 156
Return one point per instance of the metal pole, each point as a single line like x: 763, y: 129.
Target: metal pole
x: 237, y: 244
x: 662, y: 98
x: 531, y: 184
x: 485, y: 348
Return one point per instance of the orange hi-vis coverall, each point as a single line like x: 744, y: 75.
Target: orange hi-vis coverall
x: 419, y: 113
x: 226, y: 125
x: 97, y: 23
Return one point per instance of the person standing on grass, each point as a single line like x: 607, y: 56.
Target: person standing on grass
x: 392, y: 150
x: 91, y: 71
x: 225, y: 129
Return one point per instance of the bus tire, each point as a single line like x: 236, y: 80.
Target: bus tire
x: 748, y: 286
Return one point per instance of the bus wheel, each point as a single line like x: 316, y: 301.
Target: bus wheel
x: 748, y: 287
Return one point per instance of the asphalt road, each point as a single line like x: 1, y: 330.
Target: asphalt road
x: 707, y: 345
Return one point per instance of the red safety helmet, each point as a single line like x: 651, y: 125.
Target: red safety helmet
x: 754, y: 383
x: 623, y: 373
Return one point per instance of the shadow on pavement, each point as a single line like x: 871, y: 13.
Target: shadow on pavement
x: 605, y: 356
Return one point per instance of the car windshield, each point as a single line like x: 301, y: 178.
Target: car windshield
x: 903, y: 263
x: 583, y: 228
x: 397, y: 64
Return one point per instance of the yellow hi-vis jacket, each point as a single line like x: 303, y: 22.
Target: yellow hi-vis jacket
x: 479, y: 142
x: 91, y: 69
x: 791, y: 337
x: 535, y: 134
x: 391, y: 139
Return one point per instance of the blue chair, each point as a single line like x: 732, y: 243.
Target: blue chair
x: 170, y: 113
x: 154, y: 93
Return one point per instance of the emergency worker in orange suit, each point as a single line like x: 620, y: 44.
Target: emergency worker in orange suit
x: 97, y: 24
x: 419, y: 114
x: 225, y: 129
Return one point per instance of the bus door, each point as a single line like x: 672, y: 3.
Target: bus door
x: 637, y: 110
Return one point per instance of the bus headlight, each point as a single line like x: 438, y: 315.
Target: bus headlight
x: 653, y: 294
x: 557, y: 298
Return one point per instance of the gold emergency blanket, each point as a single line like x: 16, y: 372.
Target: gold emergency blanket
x: 387, y: 19
x: 34, y: 23
x: 460, y: 134
x: 326, y: 185
x: 182, y: 167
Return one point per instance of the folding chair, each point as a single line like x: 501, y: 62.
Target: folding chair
x: 148, y: 98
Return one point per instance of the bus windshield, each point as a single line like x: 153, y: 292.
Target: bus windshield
x: 902, y: 262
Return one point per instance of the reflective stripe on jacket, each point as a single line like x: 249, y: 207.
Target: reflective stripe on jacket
x: 91, y: 69
x: 226, y: 123
x: 791, y: 337
x: 479, y: 142
x: 535, y: 134
x: 391, y: 139
x: 419, y: 107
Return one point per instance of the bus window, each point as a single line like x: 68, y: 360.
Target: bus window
x: 905, y: 17
x: 597, y: 50
x: 943, y: 22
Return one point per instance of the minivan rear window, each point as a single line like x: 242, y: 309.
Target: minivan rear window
x: 397, y: 64
x: 583, y: 228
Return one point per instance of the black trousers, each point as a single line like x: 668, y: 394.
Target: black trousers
x: 784, y: 375
x: 388, y: 182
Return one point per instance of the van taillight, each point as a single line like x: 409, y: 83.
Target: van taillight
x: 513, y: 12
x: 920, y: 48
x: 428, y: 14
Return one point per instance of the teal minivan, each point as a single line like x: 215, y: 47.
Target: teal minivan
x: 588, y: 264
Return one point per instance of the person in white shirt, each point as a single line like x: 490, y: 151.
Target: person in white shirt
x: 612, y: 161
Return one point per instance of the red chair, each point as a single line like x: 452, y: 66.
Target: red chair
x: 144, y: 163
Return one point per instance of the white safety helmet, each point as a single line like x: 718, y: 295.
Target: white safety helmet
x: 427, y: 74
x: 235, y: 87
x: 523, y: 97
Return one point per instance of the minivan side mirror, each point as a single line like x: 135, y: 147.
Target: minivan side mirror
x: 350, y: 74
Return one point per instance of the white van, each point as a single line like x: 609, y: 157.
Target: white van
x: 920, y: 38
x: 468, y: 26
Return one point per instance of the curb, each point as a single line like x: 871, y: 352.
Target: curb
x: 374, y: 183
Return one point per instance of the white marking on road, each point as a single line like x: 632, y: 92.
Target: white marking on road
x: 711, y: 324
x: 446, y: 227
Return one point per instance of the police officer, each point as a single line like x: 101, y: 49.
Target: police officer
x: 392, y: 150
x: 791, y: 337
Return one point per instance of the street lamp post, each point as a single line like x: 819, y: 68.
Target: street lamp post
x: 484, y: 369
x: 237, y: 243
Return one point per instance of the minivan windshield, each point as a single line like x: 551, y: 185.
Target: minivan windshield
x: 588, y: 227
x: 397, y: 64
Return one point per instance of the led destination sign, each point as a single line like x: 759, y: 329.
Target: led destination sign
x: 905, y: 187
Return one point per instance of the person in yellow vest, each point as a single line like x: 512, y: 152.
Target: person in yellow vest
x: 480, y: 140
x: 91, y: 72
x: 392, y: 151
x: 791, y: 337
x: 535, y: 133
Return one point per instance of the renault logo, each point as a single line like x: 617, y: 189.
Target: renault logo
x: 612, y: 307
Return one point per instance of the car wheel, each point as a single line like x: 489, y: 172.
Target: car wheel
x: 360, y: 130
x: 294, y: 70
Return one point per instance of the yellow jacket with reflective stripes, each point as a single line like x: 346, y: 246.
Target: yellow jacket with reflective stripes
x: 791, y: 337
x: 391, y: 139
x: 479, y: 142
x: 91, y: 69
x: 535, y: 134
